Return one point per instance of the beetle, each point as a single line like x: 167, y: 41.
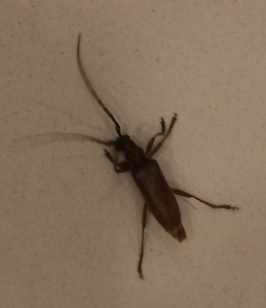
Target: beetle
x: 146, y: 172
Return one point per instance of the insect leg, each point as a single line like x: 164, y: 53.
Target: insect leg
x: 157, y: 147
x: 185, y: 194
x: 121, y: 167
x: 161, y: 133
x: 141, y: 255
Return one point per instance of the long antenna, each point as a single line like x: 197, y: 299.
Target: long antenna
x: 42, y: 139
x: 91, y: 89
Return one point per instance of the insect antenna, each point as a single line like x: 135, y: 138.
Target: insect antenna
x: 42, y: 139
x: 91, y: 89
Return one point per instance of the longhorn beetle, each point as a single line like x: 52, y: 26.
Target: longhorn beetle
x: 146, y: 172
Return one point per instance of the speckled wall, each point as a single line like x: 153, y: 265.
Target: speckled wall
x: 70, y: 227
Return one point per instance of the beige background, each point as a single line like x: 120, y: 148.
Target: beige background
x: 70, y: 226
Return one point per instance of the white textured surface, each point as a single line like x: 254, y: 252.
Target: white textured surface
x: 70, y: 226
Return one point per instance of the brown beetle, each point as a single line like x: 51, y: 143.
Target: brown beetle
x: 159, y: 197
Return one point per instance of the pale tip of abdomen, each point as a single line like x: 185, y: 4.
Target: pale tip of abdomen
x: 178, y: 232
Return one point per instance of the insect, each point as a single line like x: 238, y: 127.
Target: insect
x: 146, y: 172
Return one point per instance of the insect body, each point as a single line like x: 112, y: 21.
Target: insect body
x: 159, y: 197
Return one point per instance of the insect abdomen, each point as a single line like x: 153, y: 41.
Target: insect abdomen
x: 159, y: 197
